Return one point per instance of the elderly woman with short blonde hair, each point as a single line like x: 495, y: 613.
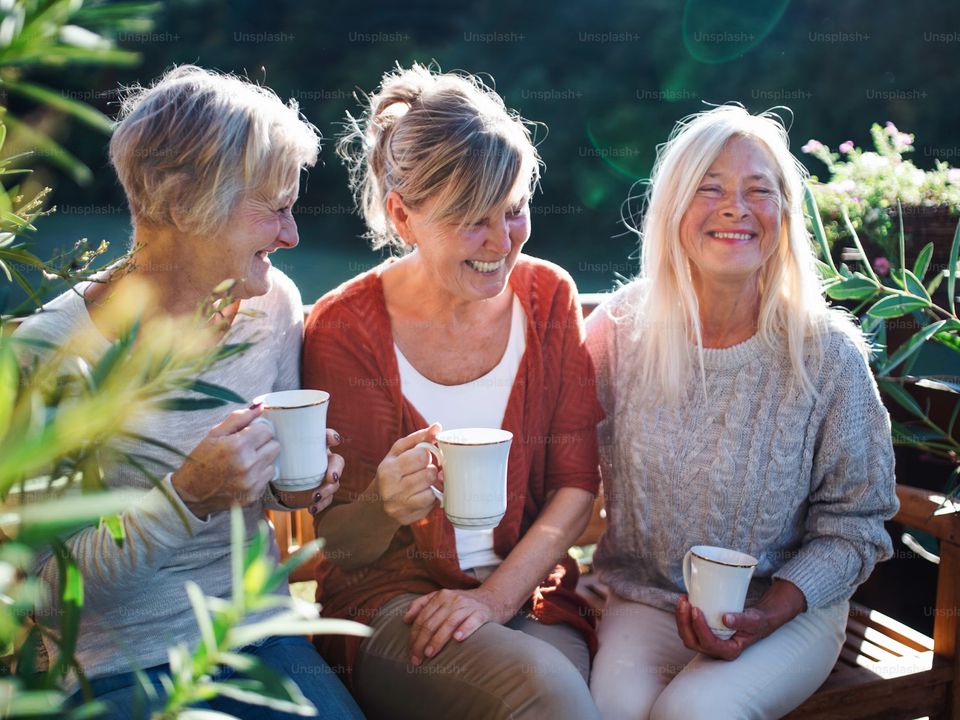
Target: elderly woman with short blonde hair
x: 210, y: 165
x: 741, y: 413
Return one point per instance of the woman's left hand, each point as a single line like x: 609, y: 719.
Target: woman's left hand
x: 779, y: 605
x: 445, y: 614
x: 318, y: 498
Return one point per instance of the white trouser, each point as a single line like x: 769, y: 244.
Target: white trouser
x: 643, y: 670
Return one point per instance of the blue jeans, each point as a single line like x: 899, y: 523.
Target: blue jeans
x: 294, y: 657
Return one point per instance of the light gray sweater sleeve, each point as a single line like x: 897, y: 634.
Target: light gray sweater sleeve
x: 153, y: 531
x: 852, y: 486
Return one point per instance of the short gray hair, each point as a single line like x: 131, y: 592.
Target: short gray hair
x: 191, y: 146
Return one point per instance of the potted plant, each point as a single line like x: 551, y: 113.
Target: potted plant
x: 869, y: 184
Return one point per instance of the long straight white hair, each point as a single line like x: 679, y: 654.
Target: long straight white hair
x: 666, y: 310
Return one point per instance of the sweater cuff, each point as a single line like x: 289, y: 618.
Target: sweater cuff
x: 817, y: 574
x: 166, y: 512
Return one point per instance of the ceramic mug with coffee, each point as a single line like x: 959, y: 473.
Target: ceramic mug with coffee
x: 298, y: 419
x: 717, y: 580
x: 474, y: 463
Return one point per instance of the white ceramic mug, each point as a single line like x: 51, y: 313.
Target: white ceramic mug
x: 474, y: 462
x: 299, y: 422
x: 717, y: 580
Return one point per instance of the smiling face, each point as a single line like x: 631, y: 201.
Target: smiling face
x: 733, y: 223
x: 472, y: 262
x: 261, y: 223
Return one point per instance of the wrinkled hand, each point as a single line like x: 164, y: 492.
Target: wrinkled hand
x: 231, y: 466
x: 445, y: 614
x: 319, y: 497
x: 402, y: 484
x: 751, y: 625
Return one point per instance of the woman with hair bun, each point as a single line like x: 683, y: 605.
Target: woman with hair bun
x: 741, y: 413
x: 461, y: 330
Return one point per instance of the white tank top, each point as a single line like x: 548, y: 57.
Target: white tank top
x: 478, y: 403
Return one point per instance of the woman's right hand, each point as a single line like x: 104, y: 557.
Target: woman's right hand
x: 231, y: 466
x: 402, y: 484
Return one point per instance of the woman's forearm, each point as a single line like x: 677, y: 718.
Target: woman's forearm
x: 356, y: 534
x: 560, y: 523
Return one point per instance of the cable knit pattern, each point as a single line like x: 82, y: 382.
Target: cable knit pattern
x: 802, y: 484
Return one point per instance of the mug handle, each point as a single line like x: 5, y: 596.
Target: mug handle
x: 438, y: 454
x: 687, y: 571
x: 261, y: 419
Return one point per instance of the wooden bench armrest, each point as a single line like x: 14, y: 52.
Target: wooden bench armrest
x: 928, y: 511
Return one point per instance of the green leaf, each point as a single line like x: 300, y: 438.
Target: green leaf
x: 910, y: 347
x: 856, y: 288
x: 903, y: 253
x: 9, y: 380
x: 229, y: 350
x: 156, y: 443
x: 914, y: 286
x: 856, y: 241
x: 114, y: 525
x: 815, y: 220
x: 903, y: 398
x: 923, y: 261
x: 215, y: 391
x: 952, y: 271
x: 250, y: 692
x: 52, y: 151
x: 938, y: 383
x: 282, y: 573
x: 272, y: 684
x: 119, y: 350
x: 896, y: 306
x: 182, y: 404
x: 81, y: 111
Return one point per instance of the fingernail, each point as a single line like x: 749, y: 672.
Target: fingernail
x: 415, y: 662
x: 316, y: 497
x: 429, y: 652
x: 728, y: 619
x: 255, y: 406
x: 337, y: 436
x: 458, y: 635
x: 336, y: 477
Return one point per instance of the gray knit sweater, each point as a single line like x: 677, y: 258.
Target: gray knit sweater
x: 803, y: 485
x: 135, y: 605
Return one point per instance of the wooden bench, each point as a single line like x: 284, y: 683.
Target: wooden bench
x: 886, y: 670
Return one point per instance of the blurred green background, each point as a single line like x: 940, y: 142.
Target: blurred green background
x: 608, y: 79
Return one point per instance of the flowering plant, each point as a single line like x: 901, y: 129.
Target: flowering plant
x: 868, y: 185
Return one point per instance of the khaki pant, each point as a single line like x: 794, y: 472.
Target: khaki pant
x: 643, y: 670
x: 523, y: 669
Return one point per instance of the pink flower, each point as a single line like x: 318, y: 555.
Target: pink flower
x: 812, y: 146
x: 846, y: 147
x: 903, y: 140
x: 881, y: 265
x: 891, y: 129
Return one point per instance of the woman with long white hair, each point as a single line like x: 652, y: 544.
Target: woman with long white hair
x: 741, y: 413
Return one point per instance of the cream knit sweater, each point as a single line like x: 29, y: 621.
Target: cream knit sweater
x: 802, y: 484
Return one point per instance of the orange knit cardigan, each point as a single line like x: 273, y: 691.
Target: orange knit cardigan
x: 552, y: 412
